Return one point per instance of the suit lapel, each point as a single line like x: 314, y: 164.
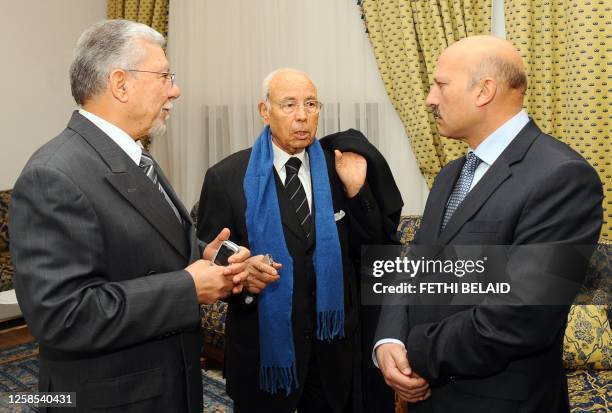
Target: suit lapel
x: 131, y: 183
x: 488, y: 184
x: 436, y: 204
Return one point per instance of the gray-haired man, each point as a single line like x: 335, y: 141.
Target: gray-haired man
x: 109, y: 273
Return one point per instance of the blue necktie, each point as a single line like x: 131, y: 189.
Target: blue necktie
x: 462, y: 187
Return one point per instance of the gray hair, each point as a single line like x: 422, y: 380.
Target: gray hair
x: 508, y: 73
x: 265, y: 85
x: 105, y: 46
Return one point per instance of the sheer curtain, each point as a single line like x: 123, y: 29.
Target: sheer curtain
x: 221, y: 51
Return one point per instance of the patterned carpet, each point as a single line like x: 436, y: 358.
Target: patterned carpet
x: 19, y: 372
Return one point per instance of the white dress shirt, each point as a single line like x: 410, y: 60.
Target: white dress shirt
x: 132, y: 148
x: 488, y: 151
x: 281, y: 157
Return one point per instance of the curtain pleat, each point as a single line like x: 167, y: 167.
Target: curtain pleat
x: 565, y: 44
x: 407, y: 37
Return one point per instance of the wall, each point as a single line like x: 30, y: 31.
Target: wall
x: 36, y: 40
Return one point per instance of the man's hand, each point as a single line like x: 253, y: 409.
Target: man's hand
x: 260, y: 273
x: 214, y: 245
x: 351, y: 169
x: 236, y: 270
x: 210, y: 281
x: 393, y: 363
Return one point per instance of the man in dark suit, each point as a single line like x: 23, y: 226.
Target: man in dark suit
x: 109, y: 274
x: 516, y: 186
x: 292, y: 344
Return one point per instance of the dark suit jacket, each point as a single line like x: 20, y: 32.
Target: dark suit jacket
x: 223, y: 200
x: 500, y: 358
x: 99, y: 258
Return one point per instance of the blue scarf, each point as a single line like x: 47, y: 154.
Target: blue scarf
x: 277, y: 353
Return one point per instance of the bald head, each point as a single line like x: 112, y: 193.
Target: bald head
x: 479, y: 84
x: 490, y: 56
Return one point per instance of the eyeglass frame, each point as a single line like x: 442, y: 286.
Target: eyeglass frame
x: 166, y: 75
x: 319, y: 106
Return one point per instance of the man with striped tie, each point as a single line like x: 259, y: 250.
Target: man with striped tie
x: 108, y: 271
x: 291, y: 343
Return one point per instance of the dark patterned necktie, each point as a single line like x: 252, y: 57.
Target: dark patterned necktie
x: 462, y: 187
x: 297, y: 194
x: 148, y: 166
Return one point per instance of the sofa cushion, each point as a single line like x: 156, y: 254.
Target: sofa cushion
x: 588, y: 335
x: 589, y: 390
x: 587, y: 338
x: 213, y: 323
x: 6, y: 271
x: 5, y: 198
x: 407, y: 227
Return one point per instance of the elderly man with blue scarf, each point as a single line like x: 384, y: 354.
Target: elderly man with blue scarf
x: 291, y: 339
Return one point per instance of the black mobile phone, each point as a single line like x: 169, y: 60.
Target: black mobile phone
x: 227, y: 249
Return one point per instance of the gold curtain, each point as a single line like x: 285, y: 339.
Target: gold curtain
x: 153, y: 13
x: 407, y: 37
x: 566, y: 49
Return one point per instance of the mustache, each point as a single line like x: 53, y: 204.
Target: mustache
x: 436, y: 112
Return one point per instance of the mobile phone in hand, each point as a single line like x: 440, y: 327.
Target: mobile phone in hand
x: 227, y: 249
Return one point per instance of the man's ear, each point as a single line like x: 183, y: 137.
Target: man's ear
x: 117, y: 83
x: 263, y: 112
x: 487, y: 88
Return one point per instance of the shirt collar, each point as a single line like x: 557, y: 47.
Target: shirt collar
x: 132, y: 148
x: 281, y: 157
x: 490, y: 149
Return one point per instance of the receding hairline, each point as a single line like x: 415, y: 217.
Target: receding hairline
x: 265, y: 85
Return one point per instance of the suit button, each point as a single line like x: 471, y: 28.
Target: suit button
x: 308, y: 336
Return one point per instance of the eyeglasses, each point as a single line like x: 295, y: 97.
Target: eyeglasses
x: 167, y: 75
x: 289, y: 107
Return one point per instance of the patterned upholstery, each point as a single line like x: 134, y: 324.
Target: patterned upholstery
x: 5, y: 198
x: 590, y: 391
x: 407, y: 228
x: 6, y: 265
x: 6, y: 271
x: 213, y: 323
x: 588, y: 339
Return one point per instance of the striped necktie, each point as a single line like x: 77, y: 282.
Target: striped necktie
x: 462, y: 187
x: 148, y: 166
x: 297, y: 194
